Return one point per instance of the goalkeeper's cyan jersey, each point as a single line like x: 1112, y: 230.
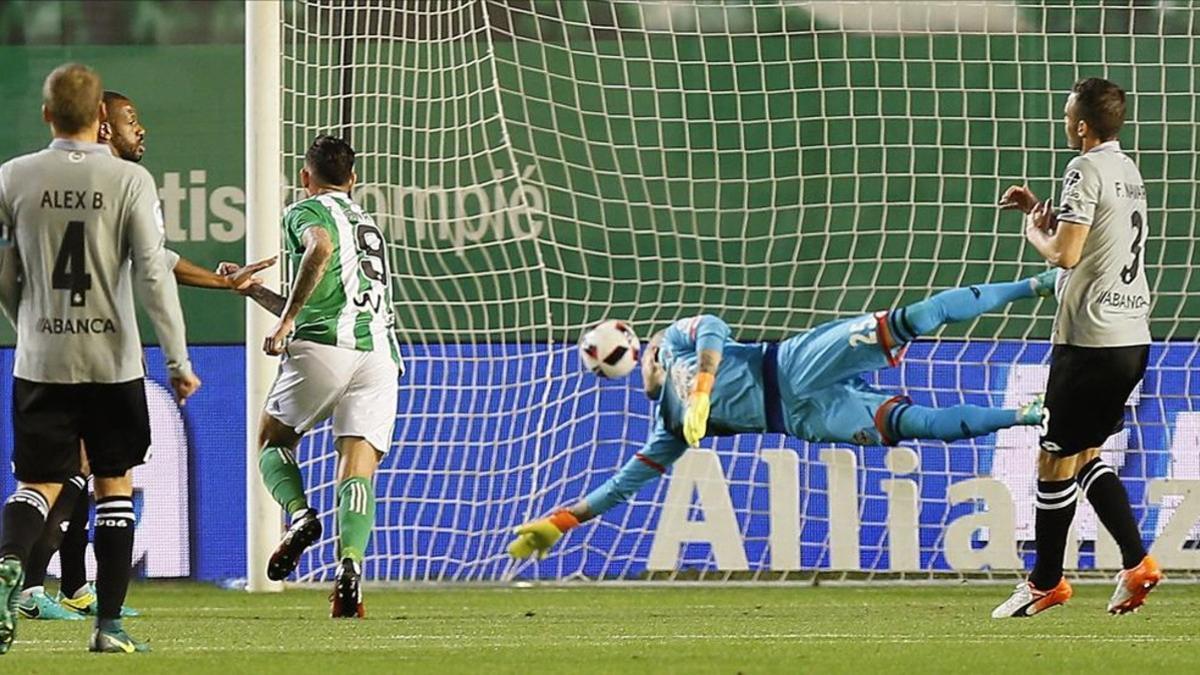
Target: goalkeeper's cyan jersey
x: 83, y: 231
x: 1104, y: 301
x: 815, y: 394
x: 351, y: 307
x: 737, y: 400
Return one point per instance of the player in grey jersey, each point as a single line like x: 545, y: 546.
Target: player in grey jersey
x: 124, y: 132
x: 86, y: 232
x: 1101, y: 342
x: 67, y: 522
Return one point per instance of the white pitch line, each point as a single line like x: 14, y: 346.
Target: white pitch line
x: 473, y: 641
x: 148, y: 611
x: 585, y: 639
x: 160, y: 648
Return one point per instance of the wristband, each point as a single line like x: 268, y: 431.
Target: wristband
x: 563, y: 520
x: 704, y: 383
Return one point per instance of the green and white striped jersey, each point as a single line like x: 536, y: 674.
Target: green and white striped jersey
x: 351, y: 307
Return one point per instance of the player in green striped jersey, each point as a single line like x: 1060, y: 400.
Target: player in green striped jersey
x: 350, y: 307
x: 340, y: 359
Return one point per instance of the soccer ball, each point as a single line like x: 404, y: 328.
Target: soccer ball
x: 610, y: 349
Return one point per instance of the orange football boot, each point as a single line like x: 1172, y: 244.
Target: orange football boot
x: 1134, y: 585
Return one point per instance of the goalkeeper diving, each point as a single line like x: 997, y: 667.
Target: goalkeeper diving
x: 808, y: 386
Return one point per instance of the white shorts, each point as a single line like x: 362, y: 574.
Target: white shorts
x: 357, y: 388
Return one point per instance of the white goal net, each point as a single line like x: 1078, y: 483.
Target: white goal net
x: 541, y: 165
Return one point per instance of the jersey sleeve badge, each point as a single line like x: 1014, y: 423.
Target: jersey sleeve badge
x: 1070, y: 188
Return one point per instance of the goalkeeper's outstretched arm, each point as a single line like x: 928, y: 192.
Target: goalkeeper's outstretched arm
x: 536, y: 537
x: 705, y: 335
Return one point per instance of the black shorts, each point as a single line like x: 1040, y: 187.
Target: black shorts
x: 50, y: 420
x: 1086, y: 394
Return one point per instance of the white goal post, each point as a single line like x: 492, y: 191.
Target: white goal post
x: 539, y: 166
x: 264, y: 192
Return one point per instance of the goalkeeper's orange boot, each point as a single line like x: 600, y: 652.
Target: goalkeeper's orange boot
x: 1027, y: 600
x: 1134, y: 585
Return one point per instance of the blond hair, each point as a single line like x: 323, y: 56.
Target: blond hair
x: 72, y: 94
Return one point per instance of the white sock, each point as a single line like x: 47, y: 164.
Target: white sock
x: 31, y: 591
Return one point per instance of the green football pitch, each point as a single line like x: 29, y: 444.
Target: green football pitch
x: 590, y: 629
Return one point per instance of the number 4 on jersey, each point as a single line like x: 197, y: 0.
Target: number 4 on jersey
x: 70, y: 267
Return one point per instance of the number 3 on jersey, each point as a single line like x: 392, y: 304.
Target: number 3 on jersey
x: 70, y: 267
x: 1130, y: 274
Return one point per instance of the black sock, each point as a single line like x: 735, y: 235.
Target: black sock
x: 74, y: 547
x: 114, y: 554
x: 23, y: 520
x: 1052, y: 521
x: 1111, y: 503
x: 52, y: 532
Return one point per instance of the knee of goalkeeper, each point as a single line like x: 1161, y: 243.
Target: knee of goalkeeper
x: 536, y: 537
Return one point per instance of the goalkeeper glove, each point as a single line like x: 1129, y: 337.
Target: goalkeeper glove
x: 536, y: 537
x: 695, y: 419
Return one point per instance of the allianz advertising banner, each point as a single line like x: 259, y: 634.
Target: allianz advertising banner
x: 454, y: 484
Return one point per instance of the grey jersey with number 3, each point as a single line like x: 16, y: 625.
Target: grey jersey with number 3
x: 1104, y: 301
x: 87, y: 232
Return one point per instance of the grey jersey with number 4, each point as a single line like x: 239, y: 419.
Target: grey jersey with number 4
x: 1104, y: 301
x: 87, y: 232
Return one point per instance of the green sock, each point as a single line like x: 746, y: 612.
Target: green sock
x: 356, y: 516
x: 282, y: 477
